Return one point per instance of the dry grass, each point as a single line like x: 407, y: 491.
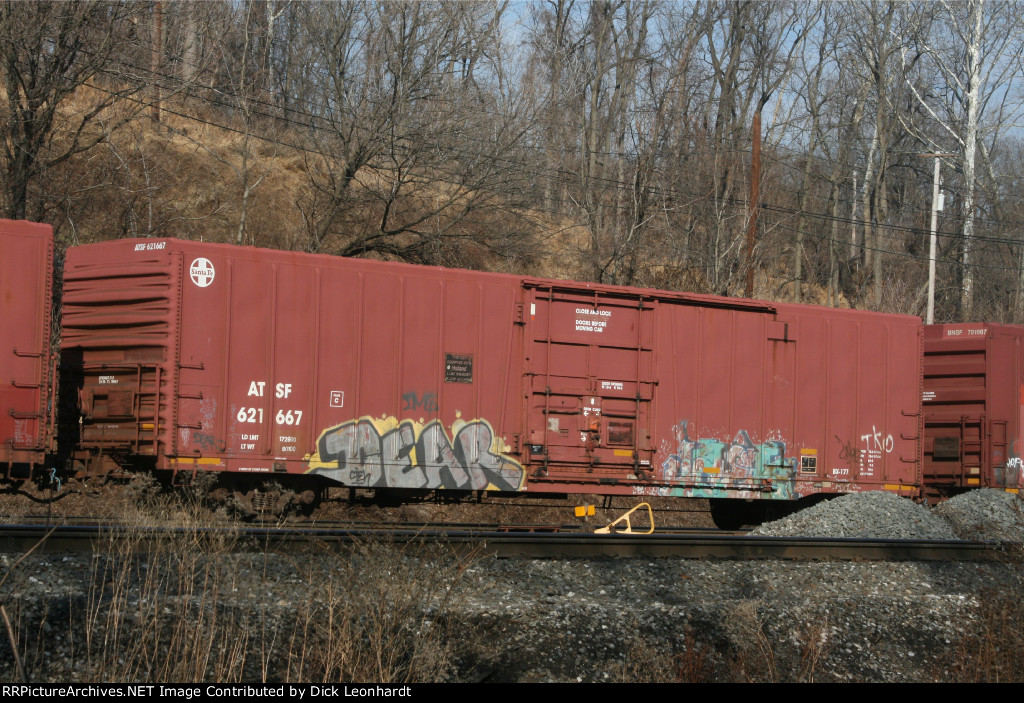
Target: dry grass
x: 992, y: 651
x: 164, y: 614
x: 381, y: 615
x: 759, y: 650
x: 647, y: 662
x: 199, y: 606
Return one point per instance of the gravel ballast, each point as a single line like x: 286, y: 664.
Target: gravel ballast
x: 985, y: 514
x: 873, y: 515
x: 570, y: 619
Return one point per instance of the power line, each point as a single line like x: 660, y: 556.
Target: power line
x: 558, y: 173
x: 898, y: 254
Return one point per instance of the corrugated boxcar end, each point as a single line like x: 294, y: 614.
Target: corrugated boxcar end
x: 26, y: 365
x: 972, y: 401
x: 118, y: 333
x: 391, y: 453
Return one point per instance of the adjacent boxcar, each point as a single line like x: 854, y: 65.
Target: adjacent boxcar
x: 26, y: 397
x: 973, y: 392
x: 367, y: 374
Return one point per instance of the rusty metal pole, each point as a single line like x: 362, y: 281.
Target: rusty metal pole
x: 755, y: 187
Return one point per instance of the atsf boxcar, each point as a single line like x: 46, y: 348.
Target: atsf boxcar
x: 26, y: 397
x: 973, y: 393
x: 382, y: 375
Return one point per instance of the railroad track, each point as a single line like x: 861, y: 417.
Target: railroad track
x: 510, y: 542
x: 301, y: 524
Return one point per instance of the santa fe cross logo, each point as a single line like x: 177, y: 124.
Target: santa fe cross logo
x: 202, y: 272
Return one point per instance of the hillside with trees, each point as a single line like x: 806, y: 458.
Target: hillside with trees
x: 781, y: 150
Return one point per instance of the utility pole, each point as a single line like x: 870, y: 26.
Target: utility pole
x: 930, y: 315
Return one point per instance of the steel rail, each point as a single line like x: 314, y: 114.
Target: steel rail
x: 18, y: 538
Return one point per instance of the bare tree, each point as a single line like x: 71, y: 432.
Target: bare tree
x: 613, y: 203
x: 59, y: 80
x: 816, y: 65
x: 409, y: 139
x: 751, y: 49
x: 974, y: 50
x: 556, y: 41
x: 245, y: 64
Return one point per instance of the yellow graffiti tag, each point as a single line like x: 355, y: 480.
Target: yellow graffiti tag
x: 388, y: 452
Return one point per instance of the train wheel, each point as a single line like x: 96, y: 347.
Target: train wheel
x: 271, y: 499
x: 267, y: 499
x: 731, y: 514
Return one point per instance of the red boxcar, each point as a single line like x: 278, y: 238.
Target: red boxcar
x: 386, y: 375
x: 26, y: 373
x: 973, y: 392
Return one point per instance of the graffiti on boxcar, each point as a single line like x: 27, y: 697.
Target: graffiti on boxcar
x: 413, y: 401
x: 875, y: 442
x: 206, y: 442
x: 387, y: 452
x: 714, y: 466
x: 1012, y: 473
x: 847, y: 452
x: 207, y: 417
x: 876, y: 446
